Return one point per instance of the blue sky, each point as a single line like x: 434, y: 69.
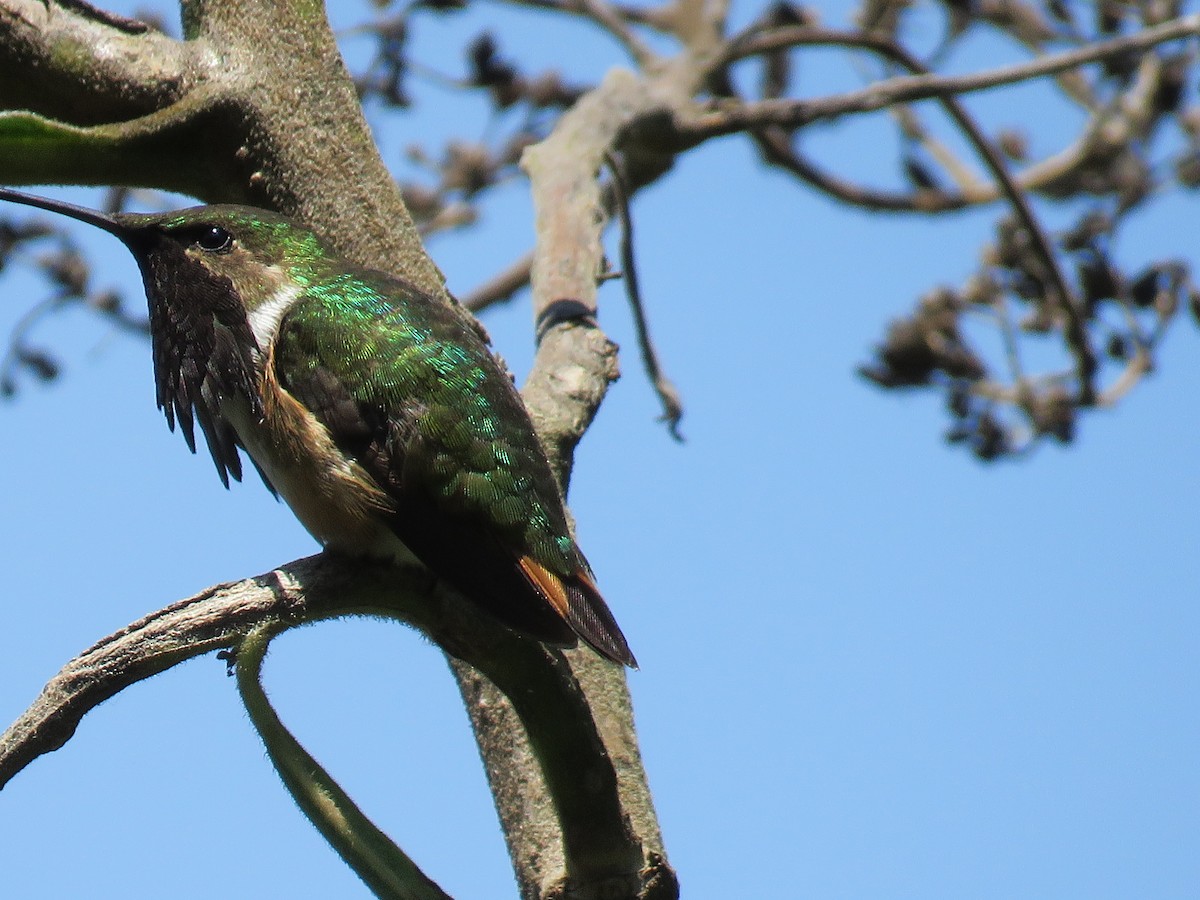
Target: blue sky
x: 871, y: 667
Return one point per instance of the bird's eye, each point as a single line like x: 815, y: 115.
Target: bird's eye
x: 214, y: 239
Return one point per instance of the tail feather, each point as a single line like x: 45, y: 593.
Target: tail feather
x: 578, y: 601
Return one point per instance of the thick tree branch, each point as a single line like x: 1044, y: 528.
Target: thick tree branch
x: 555, y: 714
x: 291, y: 136
x: 65, y: 63
x: 575, y: 363
x: 176, y: 148
x: 211, y: 620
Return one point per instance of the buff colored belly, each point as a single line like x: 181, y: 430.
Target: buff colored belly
x: 332, y: 496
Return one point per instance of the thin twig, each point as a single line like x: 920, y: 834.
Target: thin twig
x: 607, y: 18
x: 384, y: 867
x: 667, y: 393
x: 1075, y: 329
x: 1139, y: 365
x: 765, y: 112
x: 920, y: 87
x: 18, y: 337
x: 659, y: 18
x: 914, y: 130
x: 1008, y: 333
x: 104, y: 17
x: 775, y: 147
x: 501, y: 287
x: 613, y: 18
x: 902, y: 89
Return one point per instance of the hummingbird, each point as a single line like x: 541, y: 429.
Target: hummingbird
x: 377, y: 412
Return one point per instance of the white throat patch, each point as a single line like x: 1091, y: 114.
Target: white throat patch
x: 264, y: 319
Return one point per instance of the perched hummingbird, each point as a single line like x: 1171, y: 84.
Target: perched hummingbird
x: 377, y: 412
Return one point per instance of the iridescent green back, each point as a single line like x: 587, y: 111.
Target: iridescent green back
x: 405, y: 384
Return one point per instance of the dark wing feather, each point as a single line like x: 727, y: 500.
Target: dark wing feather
x: 203, y: 348
x: 406, y: 387
x: 578, y: 600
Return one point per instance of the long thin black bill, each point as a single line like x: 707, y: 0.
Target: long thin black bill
x: 82, y: 213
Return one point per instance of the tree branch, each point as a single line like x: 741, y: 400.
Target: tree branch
x: 590, y: 818
x: 668, y: 395
x: 775, y: 146
x: 773, y: 113
x: 501, y: 287
x: 383, y: 866
x: 660, y: 18
x: 211, y: 620
x: 89, y: 69
x: 921, y: 87
x: 177, y: 148
x: 700, y: 125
